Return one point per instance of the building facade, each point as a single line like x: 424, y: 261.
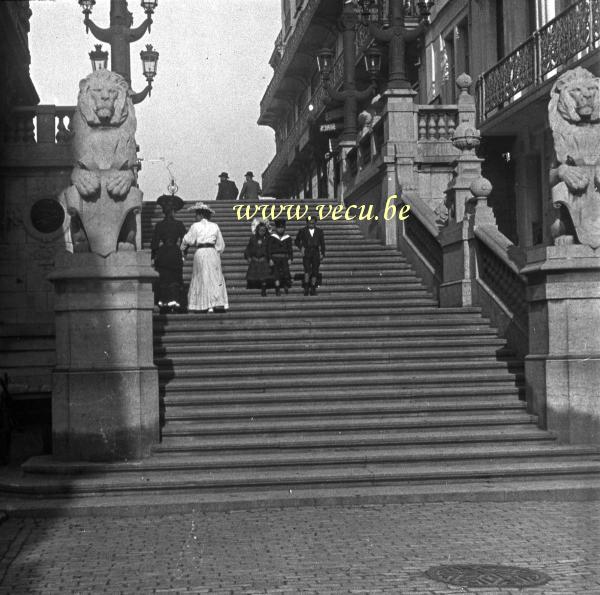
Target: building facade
x: 512, y: 49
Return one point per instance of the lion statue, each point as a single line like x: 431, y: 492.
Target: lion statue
x: 574, y: 114
x: 104, y: 200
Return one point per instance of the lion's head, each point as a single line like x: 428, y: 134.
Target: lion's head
x: 104, y: 99
x: 576, y: 97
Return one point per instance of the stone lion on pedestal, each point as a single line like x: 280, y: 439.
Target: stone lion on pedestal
x: 104, y: 199
x: 574, y: 113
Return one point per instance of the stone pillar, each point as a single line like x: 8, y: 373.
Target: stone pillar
x: 562, y: 369
x: 399, y: 152
x: 467, y: 207
x: 105, y: 385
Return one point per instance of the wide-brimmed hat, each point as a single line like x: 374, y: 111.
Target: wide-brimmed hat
x: 223, y: 174
x: 258, y: 221
x: 174, y: 201
x: 249, y: 173
x: 201, y: 206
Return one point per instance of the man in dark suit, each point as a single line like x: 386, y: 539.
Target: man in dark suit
x: 251, y: 189
x: 227, y: 188
x: 310, y: 240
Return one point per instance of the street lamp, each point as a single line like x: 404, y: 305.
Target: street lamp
x: 372, y: 61
x: 86, y: 7
x: 149, y: 6
x: 350, y: 96
x: 325, y: 62
x: 120, y: 35
x: 149, y: 58
x: 395, y: 36
x: 99, y: 58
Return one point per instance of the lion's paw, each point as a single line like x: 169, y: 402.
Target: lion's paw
x: 87, y: 182
x: 120, y: 183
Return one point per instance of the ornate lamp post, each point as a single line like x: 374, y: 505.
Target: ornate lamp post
x: 395, y: 36
x: 120, y: 35
x: 99, y: 58
x: 349, y: 95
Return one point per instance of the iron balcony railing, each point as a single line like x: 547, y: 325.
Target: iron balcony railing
x: 573, y: 33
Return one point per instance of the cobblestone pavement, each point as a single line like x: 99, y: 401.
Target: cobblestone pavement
x: 346, y: 549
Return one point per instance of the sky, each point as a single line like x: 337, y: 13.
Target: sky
x: 212, y: 73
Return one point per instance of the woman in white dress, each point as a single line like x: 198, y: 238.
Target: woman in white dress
x: 207, y: 287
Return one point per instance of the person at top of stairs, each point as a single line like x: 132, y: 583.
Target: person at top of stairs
x: 281, y: 253
x: 257, y: 257
x: 166, y: 254
x: 227, y: 188
x: 208, y: 292
x: 251, y: 188
x: 310, y: 240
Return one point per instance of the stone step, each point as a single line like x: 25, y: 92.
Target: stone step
x: 285, y: 372
x: 513, y: 451
x: 347, y: 424
x: 359, y: 354
x: 299, y: 441
x: 198, y: 382
x: 342, y: 409
x: 326, y: 394
x: 357, y: 474
x: 452, y: 347
x: 192, y: 331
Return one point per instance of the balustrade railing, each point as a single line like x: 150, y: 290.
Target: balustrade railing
x: 40, y: 124
x: 574, y: 32
x: 502, y: 276
x: 436, y: 122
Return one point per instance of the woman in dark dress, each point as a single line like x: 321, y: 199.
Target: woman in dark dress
x: 167, y: 256
x: 257, y: 256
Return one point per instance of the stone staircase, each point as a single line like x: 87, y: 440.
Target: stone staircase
x: 367, y: 386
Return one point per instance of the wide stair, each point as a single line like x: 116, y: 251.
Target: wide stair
x: 367, y: 386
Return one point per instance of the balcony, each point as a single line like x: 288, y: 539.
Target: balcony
x: 291, y: 47
x: 573, y: 34
x: 287, y: 150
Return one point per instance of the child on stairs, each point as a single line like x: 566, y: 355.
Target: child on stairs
x: 281, y: 253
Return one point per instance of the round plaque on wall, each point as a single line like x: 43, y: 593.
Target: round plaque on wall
x: 47, y: 215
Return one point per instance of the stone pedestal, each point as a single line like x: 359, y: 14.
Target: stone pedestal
x: 563, y: 368
x: 105, y: 385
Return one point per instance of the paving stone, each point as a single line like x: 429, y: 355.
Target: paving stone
x: 338, y: 549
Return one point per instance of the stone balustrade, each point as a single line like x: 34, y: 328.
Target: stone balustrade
x: 436, y: 122
x: 40, y: 124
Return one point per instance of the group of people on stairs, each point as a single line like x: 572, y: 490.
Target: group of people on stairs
x: 268, y: 254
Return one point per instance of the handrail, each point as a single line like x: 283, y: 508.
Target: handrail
x: 499, y: 244
x: 423, y: 213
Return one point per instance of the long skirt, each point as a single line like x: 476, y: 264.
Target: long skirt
x: 170, y: 270
x: 259, y: 273
x: 207, y: 287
